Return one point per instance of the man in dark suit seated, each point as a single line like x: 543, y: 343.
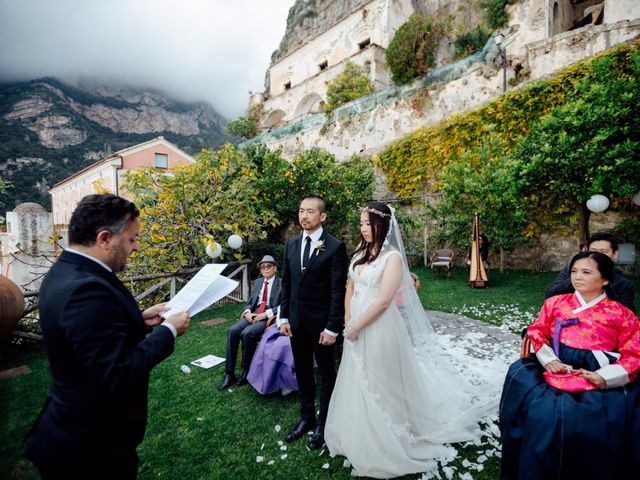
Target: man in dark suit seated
x: 261, y: 307
x: 621, y: 289
x: 99, y: 348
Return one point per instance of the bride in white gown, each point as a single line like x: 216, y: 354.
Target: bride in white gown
x: 397, y: 400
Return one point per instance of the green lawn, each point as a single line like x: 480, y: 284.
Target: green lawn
x: 198, y: 432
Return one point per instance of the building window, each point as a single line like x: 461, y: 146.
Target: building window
x: 287, y: 85
x: 323, y: 65
x: 162, y: 160
x: 364, y: 44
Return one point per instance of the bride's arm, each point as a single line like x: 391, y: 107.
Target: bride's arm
x: 389, y: 285
x: 347, y: 300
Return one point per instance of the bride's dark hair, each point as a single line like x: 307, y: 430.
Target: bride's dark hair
x: 379, y: 219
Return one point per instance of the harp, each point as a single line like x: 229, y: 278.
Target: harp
x: 477, y: 274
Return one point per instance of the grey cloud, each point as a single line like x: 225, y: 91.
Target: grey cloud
x: 213, y: 50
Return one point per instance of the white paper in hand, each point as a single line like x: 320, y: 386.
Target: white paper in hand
x: 205, y: 288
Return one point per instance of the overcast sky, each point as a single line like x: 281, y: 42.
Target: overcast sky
x: 213, y: 50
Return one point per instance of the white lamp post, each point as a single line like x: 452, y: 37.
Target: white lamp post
x: 235, y: 241
x: 498, y: 38
x: 598, y: 203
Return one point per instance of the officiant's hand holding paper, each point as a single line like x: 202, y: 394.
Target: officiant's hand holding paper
x: 204, y: 289
x: 180, y: 321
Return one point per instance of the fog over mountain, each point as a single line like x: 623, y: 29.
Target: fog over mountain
x: 211, y: 50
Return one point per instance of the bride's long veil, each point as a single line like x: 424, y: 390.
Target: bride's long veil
x: 463, y: 381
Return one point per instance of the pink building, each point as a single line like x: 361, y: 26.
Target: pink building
x: 106, y: 174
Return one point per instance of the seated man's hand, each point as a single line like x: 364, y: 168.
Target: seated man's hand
x: 259, y: 317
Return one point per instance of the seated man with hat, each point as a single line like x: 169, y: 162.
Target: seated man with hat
x: 261, y: 307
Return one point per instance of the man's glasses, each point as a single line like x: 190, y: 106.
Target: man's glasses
x: 266, y: 266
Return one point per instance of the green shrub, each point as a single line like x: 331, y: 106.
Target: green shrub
x: 244, y: 127
x: 496, y: 12
x: 628, y: 231
x: 412, y: 50
x: 470, y: 42
x: 352, y: 83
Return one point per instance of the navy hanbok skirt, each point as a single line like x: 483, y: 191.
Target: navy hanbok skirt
x: 552, y: 434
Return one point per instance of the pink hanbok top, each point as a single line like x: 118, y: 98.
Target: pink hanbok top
x: 603, y: 326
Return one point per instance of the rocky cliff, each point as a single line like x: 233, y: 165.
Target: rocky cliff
x: 49, y: 130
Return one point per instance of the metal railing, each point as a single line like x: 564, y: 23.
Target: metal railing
x: 240, y: 273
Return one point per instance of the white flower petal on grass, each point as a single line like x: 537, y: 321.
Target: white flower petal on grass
x: 271, y: 462
x: 307, y: 448
x: 466, y: 463
x: 346, y: 463
x: 466, y: 476
x: 448, y: 472
x: 280, y: 442
x: 259, y: 459
x: 277, y: 428
x: 282, y: 457
x: 199, y: 419
x: 481, y: 459
x: 321, y: 452
x: 354, y: 473
x: 262, y: 446
x: 325, y: 466
x: 283, y: 448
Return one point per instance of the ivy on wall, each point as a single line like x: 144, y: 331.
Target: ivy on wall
x: 525, y: 154
x: 415, y: 162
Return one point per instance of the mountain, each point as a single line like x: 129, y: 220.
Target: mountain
x: 49, y: 130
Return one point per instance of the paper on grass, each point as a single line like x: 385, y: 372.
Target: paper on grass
x: 205, y: 288
x: 208, y: 361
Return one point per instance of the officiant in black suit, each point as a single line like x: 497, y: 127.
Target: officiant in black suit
x: 314, y: 275
x: 261, y: 307
x: 100, y: 350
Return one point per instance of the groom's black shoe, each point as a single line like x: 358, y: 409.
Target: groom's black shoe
x: 242, y: 380
x: 317, y: 439
x: 299, y: 430
x: 228, y: 381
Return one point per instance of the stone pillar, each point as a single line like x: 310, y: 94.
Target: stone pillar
x: 26, y: 251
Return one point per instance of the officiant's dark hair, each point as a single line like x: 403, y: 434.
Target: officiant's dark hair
x: 95, y: 213
x: 379, y: 219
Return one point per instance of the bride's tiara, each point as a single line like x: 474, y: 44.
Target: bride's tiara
x: 375, y: 211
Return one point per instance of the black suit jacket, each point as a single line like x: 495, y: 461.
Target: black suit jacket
x: 314, y: 299
x: 99, y: 359
x: 274, y: 296
x: 621, y: 289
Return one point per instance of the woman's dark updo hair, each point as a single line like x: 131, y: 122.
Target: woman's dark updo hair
x: 379, y: 229
x: 605, y: 264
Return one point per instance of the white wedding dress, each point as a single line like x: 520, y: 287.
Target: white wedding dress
x: 396, y: 402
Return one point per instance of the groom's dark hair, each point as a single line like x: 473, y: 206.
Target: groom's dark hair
x: 322, y: 205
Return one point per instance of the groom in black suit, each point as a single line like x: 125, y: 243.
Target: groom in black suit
x: 314, y: 275
x: 100, y: 347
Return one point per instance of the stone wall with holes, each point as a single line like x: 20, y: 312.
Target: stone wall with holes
x: 369, y: 124
x: 297, y: 82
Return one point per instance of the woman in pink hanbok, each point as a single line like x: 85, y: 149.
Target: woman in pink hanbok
x: 572, y: 410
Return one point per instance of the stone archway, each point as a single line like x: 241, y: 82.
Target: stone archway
x: 274, y: 119
x: 310, y: 103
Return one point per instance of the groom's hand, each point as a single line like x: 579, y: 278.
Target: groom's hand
x: 326, y: 339
x: 285, y: 329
